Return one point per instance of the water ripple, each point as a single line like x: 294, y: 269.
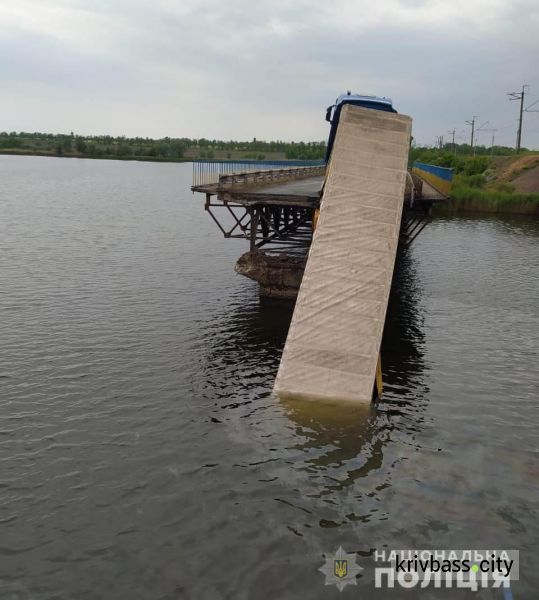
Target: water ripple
x: 142, y: 452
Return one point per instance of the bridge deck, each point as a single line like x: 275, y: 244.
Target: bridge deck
x: 431, y: 193
x: 294, y: 192
x: 310, y: 187
x: 299, y: 192
x: 335, y: 335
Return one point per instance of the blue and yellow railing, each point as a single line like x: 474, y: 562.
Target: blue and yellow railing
x: 439, y: 177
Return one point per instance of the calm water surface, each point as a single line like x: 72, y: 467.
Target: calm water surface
x: 142, y: 455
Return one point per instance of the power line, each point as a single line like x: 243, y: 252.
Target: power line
x: 506, y: 126
x: 519, y: 96
x: 472, y: 123
x: 452, y: 132
x: 488, y: 130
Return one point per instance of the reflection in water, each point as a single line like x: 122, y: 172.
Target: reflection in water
x: 404, y: 340
x: 351, y: 439
x: 144, y: 453
x: 341, y: 433
x: 243, y: 345
x: 332, y: 444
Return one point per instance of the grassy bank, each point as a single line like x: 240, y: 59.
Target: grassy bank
x: 487, y: 183
x: 470, y: 199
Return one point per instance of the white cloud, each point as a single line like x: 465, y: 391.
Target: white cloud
x: 265, y: 69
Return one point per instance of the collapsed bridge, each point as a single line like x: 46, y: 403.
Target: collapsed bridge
x: 360, y: 206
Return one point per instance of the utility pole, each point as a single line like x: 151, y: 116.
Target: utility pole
x: 452, y: 132
x: 519, y: 96
x: 472, y: 123
x: 488, y: 130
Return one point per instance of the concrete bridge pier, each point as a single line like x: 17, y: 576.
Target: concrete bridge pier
x: 279, y: 275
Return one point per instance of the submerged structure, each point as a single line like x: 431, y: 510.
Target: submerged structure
x: 330, y: 233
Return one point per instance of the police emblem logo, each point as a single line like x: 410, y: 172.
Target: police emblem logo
x: 340, y: 569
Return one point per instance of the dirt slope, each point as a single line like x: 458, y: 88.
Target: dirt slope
x: 528, y: 182
x: 511, y: 169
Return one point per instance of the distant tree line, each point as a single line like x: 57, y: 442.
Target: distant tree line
x: 460, y: 157
x: 166, y: 149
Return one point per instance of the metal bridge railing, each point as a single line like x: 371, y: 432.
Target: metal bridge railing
x: 271, y: 175
x: 206, y: 172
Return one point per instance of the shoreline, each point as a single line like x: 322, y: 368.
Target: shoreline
x: 514, y: 205
x: 104, y: 157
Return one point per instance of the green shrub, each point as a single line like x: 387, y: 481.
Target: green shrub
x: 475, y: 181
x: 504, y: 186
x: 476, y: 165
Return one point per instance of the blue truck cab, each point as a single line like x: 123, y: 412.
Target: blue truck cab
x: 333, y: 112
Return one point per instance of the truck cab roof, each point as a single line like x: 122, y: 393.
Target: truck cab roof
x: 363, y: 99
x: 333, y: 112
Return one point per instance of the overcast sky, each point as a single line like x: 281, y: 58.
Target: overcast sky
x: 238, y: 69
